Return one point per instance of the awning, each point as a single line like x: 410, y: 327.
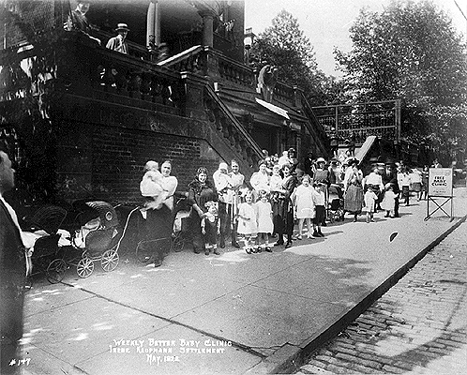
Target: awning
x: 273, y: 108
x: 363, y: 151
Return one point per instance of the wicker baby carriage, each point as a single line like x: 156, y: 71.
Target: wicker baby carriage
x: 46, y: 257
x: 97, y: 238
x: 335, y: 208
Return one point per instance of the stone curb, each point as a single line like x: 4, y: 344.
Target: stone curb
x: 289, y: 358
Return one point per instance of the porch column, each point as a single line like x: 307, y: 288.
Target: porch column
x: 157, y: 22
x: 153, y: 24
x: 150, y: 37
x: 208, y: 28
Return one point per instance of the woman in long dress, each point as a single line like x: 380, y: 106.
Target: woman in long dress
x: 159, y: 218
x: 283, y: 207
x: 353, y: 199
x: 201, y: 191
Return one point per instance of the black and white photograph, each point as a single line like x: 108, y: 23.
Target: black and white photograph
x: 203, y: 187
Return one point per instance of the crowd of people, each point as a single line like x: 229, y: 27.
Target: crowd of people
x: 263, y: 212
x: 278, y: 195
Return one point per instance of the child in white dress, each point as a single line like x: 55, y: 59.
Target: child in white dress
x: 247, y: 225
x: 304, y: 206
x: 389, y: 201
x: 370, y: 199
x: 265, y: 226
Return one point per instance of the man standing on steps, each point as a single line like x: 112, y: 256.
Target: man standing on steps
x: 118, y: 43
x: 12, y: 272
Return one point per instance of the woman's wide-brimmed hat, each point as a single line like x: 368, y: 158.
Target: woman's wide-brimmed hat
x: 122, y: 27
x: 351, y: 160
x: 321, y: 160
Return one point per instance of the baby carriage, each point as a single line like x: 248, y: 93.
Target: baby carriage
x: 335, y: 203
x: 42, y: 239
x: 97, y: 237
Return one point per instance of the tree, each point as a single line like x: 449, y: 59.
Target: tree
x: 409, y: 51
x: 27, y: 93
x: 285, y: 46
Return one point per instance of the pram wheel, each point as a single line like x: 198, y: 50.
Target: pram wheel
x: 178, y: 243
x: 109, y: 260
x: 56, y: 271
x: 85, y: 267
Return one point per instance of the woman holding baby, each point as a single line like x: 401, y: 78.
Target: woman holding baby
x: 158, y: 187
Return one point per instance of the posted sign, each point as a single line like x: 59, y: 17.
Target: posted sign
x: 440, y: 182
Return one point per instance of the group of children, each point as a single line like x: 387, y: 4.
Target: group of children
x: 370, y: 202
x: 255, y: 219
x: 407, y: 180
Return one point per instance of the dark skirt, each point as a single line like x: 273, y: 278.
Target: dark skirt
x: 405, y: 191
x: 353, y: 200
x: 195, y: 231
x: 158, y: 231
x: 320, y: 215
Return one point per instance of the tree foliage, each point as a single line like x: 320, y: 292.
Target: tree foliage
x: 410, y: 51
x: 284, y: 45
x: 27, y: 91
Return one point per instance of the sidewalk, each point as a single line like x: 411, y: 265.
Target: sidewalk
x: 227, y: 314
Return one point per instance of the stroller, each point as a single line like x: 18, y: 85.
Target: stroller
x: 335, y: 209
x: 97, y: 237
x: 42, y: 232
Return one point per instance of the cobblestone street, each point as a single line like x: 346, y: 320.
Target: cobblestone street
x: 417, y: 327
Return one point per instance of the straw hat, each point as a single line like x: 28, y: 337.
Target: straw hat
x: 122, y: 27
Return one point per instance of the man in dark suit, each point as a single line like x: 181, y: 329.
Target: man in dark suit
x: 12, y: 272
x: 389, y: 176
